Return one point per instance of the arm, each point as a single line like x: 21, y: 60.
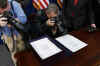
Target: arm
x: 19, y: 12
x: 91, y: 13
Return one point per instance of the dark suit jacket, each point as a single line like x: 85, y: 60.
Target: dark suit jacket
x: 79, y: 15
x: 60, y: 30
x: 96, y: 8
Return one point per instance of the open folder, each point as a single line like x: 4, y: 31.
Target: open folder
x: 70, y: 42
x: 45, y: 47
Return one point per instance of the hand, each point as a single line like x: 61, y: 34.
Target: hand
x: 17, y: 20
x: 50, y: 23
x: 93, y: 25
x: 3, y: 21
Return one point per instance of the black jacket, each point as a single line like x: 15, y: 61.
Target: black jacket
x: 78, y: 15
x: 61, y: 30
x: 96, y: 9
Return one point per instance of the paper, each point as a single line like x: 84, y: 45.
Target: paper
x: 71, y: 43
x: 45, y: 48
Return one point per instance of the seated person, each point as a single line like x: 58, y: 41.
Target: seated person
x: 54, y: 25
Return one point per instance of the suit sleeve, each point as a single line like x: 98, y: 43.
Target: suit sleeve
x: 91, y: 12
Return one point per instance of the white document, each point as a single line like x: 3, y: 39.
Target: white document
x: 71, y: 43
x: 45, y: 48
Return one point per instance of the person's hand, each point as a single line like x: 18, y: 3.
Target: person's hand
x: 92, y: 28
x: 50, y: 23
x: 3, y: 21
x: 93, y: 25
x: 17, y: 20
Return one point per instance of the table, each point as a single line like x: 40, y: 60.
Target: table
x: 88, y: 56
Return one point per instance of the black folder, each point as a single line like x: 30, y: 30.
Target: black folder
x: 65, y: 52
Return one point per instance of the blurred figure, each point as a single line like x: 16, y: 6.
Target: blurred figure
x: 78, y: 14
x: 54, y: 25
x: 35, y: 10
x: 8, y: 32
x: 17, y: 11
x: 96, y: 8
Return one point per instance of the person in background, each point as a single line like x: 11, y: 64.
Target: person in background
x: 17, y: 11
x: 78, y: 14
x: 35, y: 10
x: 39, y: 13
x: 8, y: 32
x: 54, y: 24
x: 96, y: 9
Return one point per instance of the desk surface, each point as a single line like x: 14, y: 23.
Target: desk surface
x: 88, y: 56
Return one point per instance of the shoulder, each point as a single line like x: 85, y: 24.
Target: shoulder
x: 14, y: 3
